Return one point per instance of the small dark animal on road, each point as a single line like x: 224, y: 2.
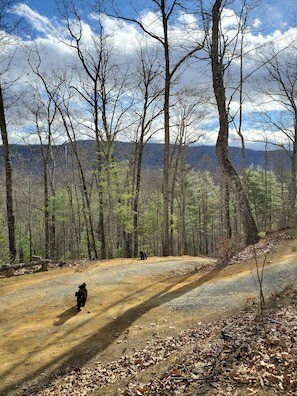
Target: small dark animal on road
x: 81, y: 296
x: 143, y: 255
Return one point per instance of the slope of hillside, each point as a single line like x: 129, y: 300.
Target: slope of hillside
x: 199, y: 157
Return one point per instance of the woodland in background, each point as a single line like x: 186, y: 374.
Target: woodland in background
x: 198, y: 222
x: 117, y: 208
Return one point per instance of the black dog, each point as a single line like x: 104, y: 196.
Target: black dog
x: 81, y: 296
x: 143, y: 256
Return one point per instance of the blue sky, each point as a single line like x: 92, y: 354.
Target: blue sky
x: 273, y: 23
x: 274, y: 14
x: 44, y: 7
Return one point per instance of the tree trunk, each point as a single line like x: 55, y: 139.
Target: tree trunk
x: 228, y: 227
x: 293, y: 187
x: 101, y: 229
x: 8, y: 175
x: 248, y: 222
x: 46, y: 212
x: 139, y: 154
x: 128, y: 244
x: 52, y: 246
x: 182, y: 249
x: 166, y: 236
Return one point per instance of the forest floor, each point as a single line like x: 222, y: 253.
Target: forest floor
x: 144, y: 322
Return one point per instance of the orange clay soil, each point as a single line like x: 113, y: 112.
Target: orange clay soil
x: 41, y: 331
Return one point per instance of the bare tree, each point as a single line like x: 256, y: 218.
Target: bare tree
x: 7, y: 26
x: 56, y: 88
x: 172, y: 63
x: 218, y: 51
x: 103, y: 86
x: 8, y: 180
x: 147, y: 99
x: 44, y: 112
x: 282, y: 81
x: 189, y: 111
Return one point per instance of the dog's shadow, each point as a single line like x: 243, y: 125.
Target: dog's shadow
x: 64, y: 316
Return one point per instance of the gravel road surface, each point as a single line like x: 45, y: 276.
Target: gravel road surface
x: 234, y: 292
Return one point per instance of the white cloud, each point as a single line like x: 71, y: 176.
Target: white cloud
x: 188, y: 20
x: 125, y: 38
x: 152, y: 21
x: 39, y: 22
x: 257, y: 23
x: 229, y: 20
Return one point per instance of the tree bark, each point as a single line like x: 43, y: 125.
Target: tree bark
x: 248, y: 222
x: 139, y: 154
x: 293, y: 186
x: 227, y: 217
x: 9, y: 189
x: 46, y: 212
x: 101, y: 228
x: 166, y: 236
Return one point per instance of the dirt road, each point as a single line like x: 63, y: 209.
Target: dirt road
x: 41, y: 332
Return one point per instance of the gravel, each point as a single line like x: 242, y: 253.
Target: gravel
x: 55, y: 288
x: 214, y: 294
x: 235, y: 292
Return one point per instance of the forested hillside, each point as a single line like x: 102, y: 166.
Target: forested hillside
x: 198, y: 214
x: 24, y: 157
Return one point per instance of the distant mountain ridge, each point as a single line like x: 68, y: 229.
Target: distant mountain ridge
x: 199, y: 157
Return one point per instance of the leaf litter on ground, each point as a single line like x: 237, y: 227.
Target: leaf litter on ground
x: 247, y: 351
